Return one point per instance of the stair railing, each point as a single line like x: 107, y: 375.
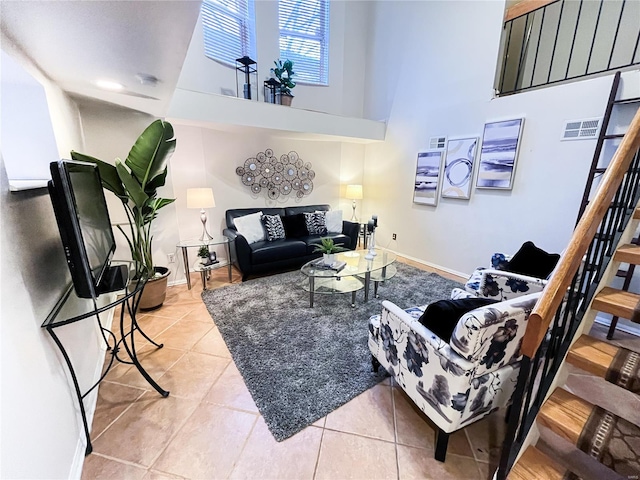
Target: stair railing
x: 558, y: 313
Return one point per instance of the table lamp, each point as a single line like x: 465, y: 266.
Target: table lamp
x: 201, y: 198
x: 354, y: 192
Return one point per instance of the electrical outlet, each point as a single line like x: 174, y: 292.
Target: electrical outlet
x: 171, y: 257
x: 393, y: 237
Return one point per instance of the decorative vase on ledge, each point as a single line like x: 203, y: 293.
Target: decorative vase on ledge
x: 286, y: 99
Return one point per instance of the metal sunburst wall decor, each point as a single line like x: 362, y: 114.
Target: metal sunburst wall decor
x: 277, y: 176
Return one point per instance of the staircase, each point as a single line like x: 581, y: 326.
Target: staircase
x: 599, y: 444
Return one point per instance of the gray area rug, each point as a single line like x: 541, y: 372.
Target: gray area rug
x: 301, y: 363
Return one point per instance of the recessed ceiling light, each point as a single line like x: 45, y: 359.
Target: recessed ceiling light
x: 109, y: 85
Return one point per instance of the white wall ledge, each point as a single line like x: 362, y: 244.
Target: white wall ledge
x: 231, y: 113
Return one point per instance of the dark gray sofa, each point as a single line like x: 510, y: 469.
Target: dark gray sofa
x: 278, y: 255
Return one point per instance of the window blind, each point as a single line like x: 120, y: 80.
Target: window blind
x: 304, y: 38
x: 229, y: 30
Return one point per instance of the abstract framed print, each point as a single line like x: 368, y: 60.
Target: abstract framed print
x: 498, y: 155
x: 458, y: 167
x: 428, y: 175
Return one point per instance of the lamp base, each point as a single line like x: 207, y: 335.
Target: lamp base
x: 353, y: 215
x: 205, y: 237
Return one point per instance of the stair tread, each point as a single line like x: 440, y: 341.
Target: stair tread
x: 565, y: 414
x: 592, y: 355
x: 636, y: 214
x: 616, y: 302
x: 535, y: 465
x: 628, y: 253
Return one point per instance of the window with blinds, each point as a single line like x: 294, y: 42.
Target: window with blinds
x: 304, y: 38
x: 229, y: 30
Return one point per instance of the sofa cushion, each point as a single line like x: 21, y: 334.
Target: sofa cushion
x: 441, y: 317
x: 306, y: 209
x: 333, y: 220
x: 315, y: 223
x: 295, y: 226
x: 267, y: 252
x: 250, y: 227
x: 273, y: 227
x: 232, y: 214
x: 533, y: 261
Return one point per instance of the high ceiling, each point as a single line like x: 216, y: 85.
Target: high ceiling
x: 79, y: 42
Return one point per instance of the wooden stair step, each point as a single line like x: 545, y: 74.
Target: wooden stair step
x: 594, y: 430
x: 628, y: 253
x: 535, y: 465
x: 636, y: 214
x: 617, y: 365
x: 616, y: 302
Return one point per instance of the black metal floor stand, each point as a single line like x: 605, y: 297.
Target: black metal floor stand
x: 129, y: 304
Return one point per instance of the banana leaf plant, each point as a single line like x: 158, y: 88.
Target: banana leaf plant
x: 135, y: 182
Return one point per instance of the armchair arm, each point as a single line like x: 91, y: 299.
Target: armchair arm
x: 502, y: 285
x: 240, y: 250
x: 352, y: 230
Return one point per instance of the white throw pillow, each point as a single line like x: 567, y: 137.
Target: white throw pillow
x: 333, y: 219
x: 250, y: 227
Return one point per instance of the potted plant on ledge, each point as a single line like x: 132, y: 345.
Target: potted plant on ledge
x: 329, y: 249
x: 284, y: 73
x: 135, y: 182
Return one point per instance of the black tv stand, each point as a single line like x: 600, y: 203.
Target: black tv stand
x: 71, y: 309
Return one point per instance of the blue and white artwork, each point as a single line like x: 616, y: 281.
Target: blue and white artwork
x: 499, y: 153
x: 458, y: 167
x: 427, y: 178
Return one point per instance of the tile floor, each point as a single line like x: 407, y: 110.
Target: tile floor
x: 209, y: 426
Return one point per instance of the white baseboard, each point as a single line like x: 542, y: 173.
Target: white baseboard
x: 463, y: 276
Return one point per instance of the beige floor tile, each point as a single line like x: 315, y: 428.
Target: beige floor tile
x: 154, y: 325
x: 209, y: 443
x: 193, y: 375
x: 97, y: 467
x: 231, y: 391
x: 486, y: 437
x: 154, y: 475
x: 113, y: 399
x: 265, y: 458
x: 174, y: 310
x: 486, y: 470
x: 369, y: 414
x: 320, y: 422
x: 155, y: 361
x: 414, y: 464
x: 199, y: 314
x: 145, y: 429
x: 184, y: 335
x: 416, y: 430
x: 213, y: 344
x: 347, y: 456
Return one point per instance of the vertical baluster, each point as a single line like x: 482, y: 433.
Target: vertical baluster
x: 573, y: 41
x: 535, y: 59
x: 523, y: 46
x: 593, y: 40
x: 555, y: 42
x: 506, y: 56
x: 615, y: 36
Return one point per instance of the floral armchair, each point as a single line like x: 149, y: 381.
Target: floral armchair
x: 497, y: 283
x: 459, y: 382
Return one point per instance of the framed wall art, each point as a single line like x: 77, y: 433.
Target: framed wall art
x: 428, y: 172
x: 498, y: 155
x: 458, y: 167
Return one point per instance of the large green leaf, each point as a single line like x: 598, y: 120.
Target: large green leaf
x: 135, y: 191
x: 149, y: 154
x: 156, y: 182
x: 108, y: 174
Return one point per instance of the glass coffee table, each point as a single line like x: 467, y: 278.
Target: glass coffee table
x: 357, y: 273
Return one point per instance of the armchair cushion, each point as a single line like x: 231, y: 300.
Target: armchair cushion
x: 533, y: 261
x: 441, y: 317
x: 295, y: 225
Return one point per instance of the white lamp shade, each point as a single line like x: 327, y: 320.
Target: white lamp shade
x: 354, y: 192
x: 200, y: 198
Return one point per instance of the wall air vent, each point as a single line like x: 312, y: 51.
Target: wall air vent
x: 437, y: 143
x: 581, y: 129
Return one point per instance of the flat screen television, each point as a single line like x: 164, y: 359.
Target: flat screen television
x: 81, y: 211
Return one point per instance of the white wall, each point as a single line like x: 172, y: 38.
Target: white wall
x: 445, y: 55
x: 347, y: 54
x: 41, y: 429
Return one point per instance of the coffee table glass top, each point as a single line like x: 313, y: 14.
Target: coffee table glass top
x: 356, y: 264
